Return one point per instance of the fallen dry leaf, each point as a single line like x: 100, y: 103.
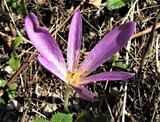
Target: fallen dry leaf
x: 96, y: 3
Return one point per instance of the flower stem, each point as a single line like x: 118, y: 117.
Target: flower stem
x: 66, y: 99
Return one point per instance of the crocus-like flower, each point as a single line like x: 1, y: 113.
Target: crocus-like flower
x: 73, y: 73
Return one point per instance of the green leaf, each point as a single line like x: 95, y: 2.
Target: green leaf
x: 115, y: 4
x: 2, y: 101
x: 13, y: 86
x: 120, y: 65
x: 114, y: 58
x: 3, y: 83
x: 61, y: 117
x: 39, y: 120
x: 22, y: 9
x: 14, y: 5
x: 19, y: 7
x: 11, y: 95
x: 17, y: 42
x: 14, y: 62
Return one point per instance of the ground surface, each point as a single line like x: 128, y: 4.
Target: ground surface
x: 40, y: 94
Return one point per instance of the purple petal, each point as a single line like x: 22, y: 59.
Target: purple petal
x: 43, y: 42
x: 107, y: 47
x: 74, y: 41
x: 84, y: 93
x: 114, y: 75
x: 50, y: 67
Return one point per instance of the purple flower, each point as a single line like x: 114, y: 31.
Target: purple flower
x: 73, y: 73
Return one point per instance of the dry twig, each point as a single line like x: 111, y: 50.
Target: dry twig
x: 148, y: 46
x: 144, y: 32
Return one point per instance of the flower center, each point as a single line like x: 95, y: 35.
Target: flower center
x: 74, y: 78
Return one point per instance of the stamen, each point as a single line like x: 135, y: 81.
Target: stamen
x: 74, y: 78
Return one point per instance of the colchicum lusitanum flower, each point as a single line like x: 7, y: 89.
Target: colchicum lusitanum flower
x: 73, y: 73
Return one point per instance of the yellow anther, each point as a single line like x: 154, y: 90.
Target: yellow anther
x: 73, y: 78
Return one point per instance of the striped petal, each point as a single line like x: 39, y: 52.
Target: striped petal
x: 74, y: 41
x: 50, y: 67
x: 44, y: 43
x: 107, y: 47
x: 114, y: 75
